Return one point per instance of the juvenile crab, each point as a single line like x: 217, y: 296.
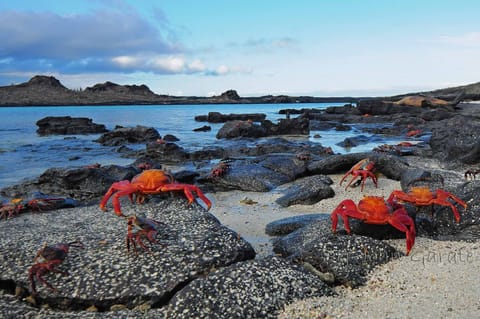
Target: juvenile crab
x: 52, y: 256
x: 147, y: 228
x: 151, y: 181
x: 423, y: 196
x: 471, y: 173
x: 10, y: 208
x: 375, y: 210
x: 220, y: 169
x: 364, y: 169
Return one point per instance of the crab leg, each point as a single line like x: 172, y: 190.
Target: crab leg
x: 404, y: 223
x: 188, y: 190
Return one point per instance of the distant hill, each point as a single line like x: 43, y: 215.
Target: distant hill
x: 47, y: 90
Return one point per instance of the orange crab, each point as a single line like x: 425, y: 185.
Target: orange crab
x: 423, y: 196
x: 151, y: 181
x: 364, y: 169
x: 375, y: 210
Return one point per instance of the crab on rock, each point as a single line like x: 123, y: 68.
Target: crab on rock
x: 375, y: 210
x: 364, y: 169
x: 147, y: 228
x: 52, y: 256
x: 151, y: 181
x: 423, y: 196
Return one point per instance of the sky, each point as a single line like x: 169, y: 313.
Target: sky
x: 256, y: 47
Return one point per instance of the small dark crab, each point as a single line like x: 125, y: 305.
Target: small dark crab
x: 140, y: 228
x: 220, y: 169
x: 51, y: 256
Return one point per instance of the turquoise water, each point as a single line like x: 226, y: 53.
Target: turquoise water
x: 24, y: 154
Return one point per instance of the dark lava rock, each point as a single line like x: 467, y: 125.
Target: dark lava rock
x: 247, y: 175
x: 345, y: 109
x: 251, y: 289
x: 129, y: 135
x: 166, y: 152
x: 378, y: 107
x: 170, y: 138
x: 205, y: 128
x: 83, y: 184
x: 191, y: 243
x: 217, y: 117
x: 354, y: 141
x: 288, y: 225
x: 232, y: 129
x: 296, y: 126
x: 349, y: 258
x: 391, y: 166
x: 456, y: 141
x: 307, y: 191
x: 66, y: 125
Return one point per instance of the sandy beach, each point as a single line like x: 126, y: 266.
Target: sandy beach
x: 438, y: 279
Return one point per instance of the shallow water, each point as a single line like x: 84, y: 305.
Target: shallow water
x: 24, y: 154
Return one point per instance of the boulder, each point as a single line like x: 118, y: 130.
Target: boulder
x: 217, y: 117
x: 307, y: 191
x: 288, y: 225
x: 250, y: 289
x: 83, y: 184
x: 456, y: 141
x: 346, y: 259
x: 237, y: 128
x: 190, y: 243
x: 67, y: 125
x: 166, y: 152
x: 129, y: 135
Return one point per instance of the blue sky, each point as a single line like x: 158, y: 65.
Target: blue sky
x: 257, y: 47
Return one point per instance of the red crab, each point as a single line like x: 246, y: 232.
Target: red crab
x: 364, y: 169
x: 423, y: 196
x: 11, y: 208
x: 220, y: 169
x: 375, y: 210
x: 151, y: 181
x: 52, y: 256
x: 148, y: 228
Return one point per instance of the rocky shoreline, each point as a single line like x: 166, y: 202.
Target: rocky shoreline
x: 200, y: 267
x: 43, y: 90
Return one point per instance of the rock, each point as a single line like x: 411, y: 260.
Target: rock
x: 129, y: 135
x: 166, y: 152
x: 389, y: 165
x: 83, y: 184
x: 456, y: 141
x: 378, y: 107
x: 217, y: 117
x: 288, y: 225
x: 247, y: 175
x: 307, y: 191
x: 204, y: 128
x: 170, y: 138
x: 251, y: 289
x: 237, y: 128
x: 345, y: 109
x: 66, y: 125
x: 422, y: 101
x: 191, y: 243
x: 349, y: 258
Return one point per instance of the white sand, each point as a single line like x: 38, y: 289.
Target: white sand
x: 249, y: 220
x: 438, y: 280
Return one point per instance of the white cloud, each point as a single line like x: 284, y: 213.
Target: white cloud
x: 470, y: 39
x: 196, y: 66
x: 173, y: 64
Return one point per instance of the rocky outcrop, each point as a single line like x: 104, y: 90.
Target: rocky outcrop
x: 67, y: 125
x: 233, y: 129
x: 456, y: 141
x: 217, y: 117
x: 84, y: 183
x: 129, y: 135
x: 191, y: 243
x: 307, y: 191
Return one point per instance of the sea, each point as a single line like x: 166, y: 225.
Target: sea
x: 25, y: 155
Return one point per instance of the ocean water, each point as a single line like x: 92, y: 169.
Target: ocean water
x: 24, y: 154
